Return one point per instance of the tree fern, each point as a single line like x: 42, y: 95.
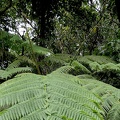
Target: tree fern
x: 111, y: 67
x: 47, y: 97
x: 61, y: 58
x: 93, y: 58
x: 41, y: 50
x: 110, y: 95
x: 59, y: 95
x: 114, y: 113
x: 81, y: 69
x: 19, y: 61
x: 94, y: 66
x: 54, y: 61
x: 7, y: 74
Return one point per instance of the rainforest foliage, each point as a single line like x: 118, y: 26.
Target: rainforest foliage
x: 59, y: 60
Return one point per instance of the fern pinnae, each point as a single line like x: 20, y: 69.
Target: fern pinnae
x: 73, y: 104
x: 114, y: 113
x: 12, y: 98
x: 79, y: 66
x: 64, y: 69
x: 20, y: 86
x: 7, y: 74
x: 69, y: 86
x: 75, y: 114
x: 35, y: 115
x: 85, y: 76
x: 14, y: 64
x: 54, y: 117
x: 78, y: 98
x: 4, y: 75
x: 19, y: 79
x: 24, y: 108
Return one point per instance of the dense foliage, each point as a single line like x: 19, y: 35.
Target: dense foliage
x: 58, y: 96
x: 59, y: 60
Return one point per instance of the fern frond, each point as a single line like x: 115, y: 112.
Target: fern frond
x: 41, y: 50
x: 114, y: 113
x: 55, y: 96
x: 4, y: 75
x: 85, y: 76
x: 64, y: 69
x: 109, y: 94
x: 13, y: 53
x: 20, y: 60
x: 93, y: 58
x: 94, y: 66
x: 63, y: 59
x: 14, y: 64
x: 118, y: 65
x: 20, y: 70
x: 26, y: 59
x: 111, y: 67
x: 7, y: 74
x: 79, y: 67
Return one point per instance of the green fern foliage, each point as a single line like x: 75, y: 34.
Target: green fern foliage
x: 63, y: 59
x: 93, y: 58
x: 58, y: 96
x: 41, y: 50
x: 19, y: 61
x: 7, y: 74
x: 51, y: 97
x: 96, y: 67
x: 54, y: 61
x: 81, y: 69
x: 114, y: 113
x: 109, y: 95
x: 64, y: 69
x: 111, y: 67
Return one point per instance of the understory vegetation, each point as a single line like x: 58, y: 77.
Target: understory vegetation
x: 60, y: 95
x: 59, y: 60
